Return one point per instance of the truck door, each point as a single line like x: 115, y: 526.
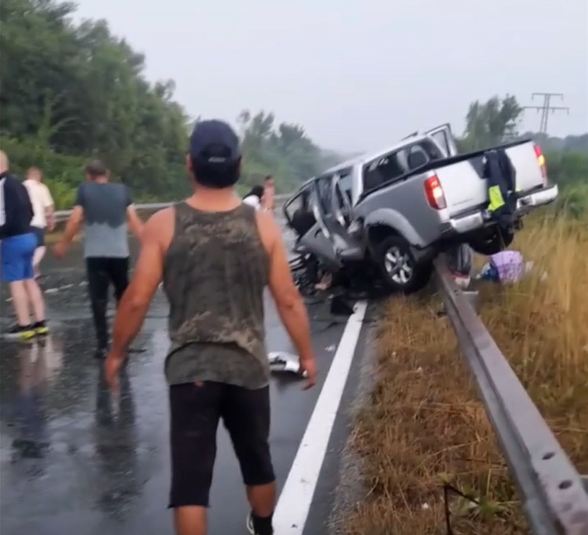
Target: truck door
x: 347, y: 246
x: 444, y: 137
x: 319, y: 240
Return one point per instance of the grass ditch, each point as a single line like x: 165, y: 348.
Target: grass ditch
x: 422, y: 426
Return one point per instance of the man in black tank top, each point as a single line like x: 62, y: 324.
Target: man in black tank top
x: 215, y: 256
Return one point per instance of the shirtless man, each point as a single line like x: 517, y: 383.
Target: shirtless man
x: 215, y: 255
x: 43, y: 208
x: 269, y: 194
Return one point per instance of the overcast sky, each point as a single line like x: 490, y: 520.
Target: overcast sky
x: 359, y: 74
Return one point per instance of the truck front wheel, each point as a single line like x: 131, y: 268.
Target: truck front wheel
x: 398, y: 268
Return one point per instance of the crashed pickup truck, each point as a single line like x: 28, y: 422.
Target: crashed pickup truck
x: 386, y: 216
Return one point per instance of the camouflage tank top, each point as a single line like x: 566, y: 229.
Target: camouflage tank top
x: 215, y: 273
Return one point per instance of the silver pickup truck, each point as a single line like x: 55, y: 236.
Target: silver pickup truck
x: 388, y: 214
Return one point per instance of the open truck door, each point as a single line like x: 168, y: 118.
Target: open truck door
x: 444, y: 137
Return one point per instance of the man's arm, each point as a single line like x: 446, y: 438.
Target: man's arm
x: 73, y: 225
x: 134, y: 222
x: 291, y: 307
x: 137, y: 297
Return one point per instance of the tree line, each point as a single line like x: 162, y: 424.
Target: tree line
x: 70, y: 92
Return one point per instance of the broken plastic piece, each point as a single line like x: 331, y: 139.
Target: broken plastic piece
x: 280, y: 361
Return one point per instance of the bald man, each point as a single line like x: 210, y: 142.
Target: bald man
x: 17, y: 247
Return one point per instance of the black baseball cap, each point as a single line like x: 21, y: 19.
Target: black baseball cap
x: 214, y: 143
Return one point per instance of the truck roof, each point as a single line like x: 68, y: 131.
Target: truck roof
x: 364, y: 158
x: 368, y: 157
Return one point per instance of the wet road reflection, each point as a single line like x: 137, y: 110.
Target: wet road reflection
x: 75, y: 458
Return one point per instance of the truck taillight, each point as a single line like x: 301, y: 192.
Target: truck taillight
x: 541, y: 161
x: 434, y: 193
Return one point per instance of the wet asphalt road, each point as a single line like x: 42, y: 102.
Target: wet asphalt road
x: 73, y: 459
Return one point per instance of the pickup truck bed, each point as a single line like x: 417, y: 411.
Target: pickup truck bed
x: 464, y: 187
x: 465, y: 194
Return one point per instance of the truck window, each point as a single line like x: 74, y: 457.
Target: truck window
x: 384, y: 169
x: 419, y: 154
x: 324, y: 194
x: 300, y: 202
x: 441, y: 138
x: 346, y: 184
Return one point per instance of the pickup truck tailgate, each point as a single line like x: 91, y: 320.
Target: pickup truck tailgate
x: 465, y: 189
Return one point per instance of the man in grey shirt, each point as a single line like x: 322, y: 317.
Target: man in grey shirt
x: 105, y: 209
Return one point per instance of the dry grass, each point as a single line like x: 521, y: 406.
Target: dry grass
x: 423, y: 425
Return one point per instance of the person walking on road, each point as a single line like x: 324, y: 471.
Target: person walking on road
x: 43, y: 208
x: 105, y: 209
x: 17, y: 247
x: 215, y: 256
x: 269, y: 194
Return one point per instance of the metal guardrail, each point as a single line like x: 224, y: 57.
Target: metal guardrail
x: 62, y: 215
x: 554, y: 494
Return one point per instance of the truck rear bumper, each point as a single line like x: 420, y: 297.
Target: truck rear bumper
x: 525, y: 203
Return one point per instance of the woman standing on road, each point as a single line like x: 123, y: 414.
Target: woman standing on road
x: 255, y: 197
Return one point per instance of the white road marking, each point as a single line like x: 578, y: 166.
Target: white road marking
x: 296, y: 498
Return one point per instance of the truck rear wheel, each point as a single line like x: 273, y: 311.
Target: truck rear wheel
x: 398, y: 268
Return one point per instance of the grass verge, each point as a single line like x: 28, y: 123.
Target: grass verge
x: 423, y: 426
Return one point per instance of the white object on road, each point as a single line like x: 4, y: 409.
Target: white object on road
x: 296, y: 497
x: 280, y: 361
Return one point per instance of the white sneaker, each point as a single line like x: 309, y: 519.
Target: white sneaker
x: 249, y: 523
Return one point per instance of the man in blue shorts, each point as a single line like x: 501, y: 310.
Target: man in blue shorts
x: 17, y: 247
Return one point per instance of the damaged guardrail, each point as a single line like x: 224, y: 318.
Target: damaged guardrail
x: 554, y: 494
x: 62, y: 215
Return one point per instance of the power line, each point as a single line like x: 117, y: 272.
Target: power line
x: 546, y: 108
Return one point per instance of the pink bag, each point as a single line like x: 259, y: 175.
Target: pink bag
x: 509, y: 265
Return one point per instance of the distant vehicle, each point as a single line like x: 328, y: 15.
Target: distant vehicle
x: 386, y: 216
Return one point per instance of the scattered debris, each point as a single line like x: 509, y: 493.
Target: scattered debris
x: 280, y: 361
x: 506, y: 267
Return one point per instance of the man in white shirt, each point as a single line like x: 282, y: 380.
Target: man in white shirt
x: 43, y: 207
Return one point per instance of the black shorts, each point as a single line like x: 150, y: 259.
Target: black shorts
x: 195, y: 414
x: 40, y: 235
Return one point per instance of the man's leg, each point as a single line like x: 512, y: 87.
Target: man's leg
x: 98, y: 292
x: 13, y: 271
x: 40, y: 250
x: 34, y: 293
x: 118, y: 272
x: 246, y: 415
x: 195, y: 413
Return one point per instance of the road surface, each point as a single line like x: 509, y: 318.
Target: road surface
x: 75, y: 460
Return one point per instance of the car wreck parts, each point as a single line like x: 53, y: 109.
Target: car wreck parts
x: 378, y: 221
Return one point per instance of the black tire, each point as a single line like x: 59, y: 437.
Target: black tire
x: 492, y: 244
x: 420, y: 273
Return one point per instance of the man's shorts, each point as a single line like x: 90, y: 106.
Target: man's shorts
x: 40, y: 234
x: 195, y: 414
x: 16, y: 257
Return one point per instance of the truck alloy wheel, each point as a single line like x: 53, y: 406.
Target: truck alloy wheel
x: 398, y: 265
x: 398, y: 269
